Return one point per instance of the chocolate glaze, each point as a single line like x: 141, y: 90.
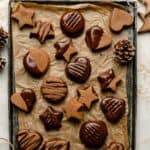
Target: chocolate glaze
x: 79, y: 70
x: 31, y: 66
x: 113, y: 108
x: 51, y: 118
x: 93, y: 133
x: 93, y: 37
x: 105, y: 78
x: 72, y: 23
x: 29, y: 97
x: 61, y: 48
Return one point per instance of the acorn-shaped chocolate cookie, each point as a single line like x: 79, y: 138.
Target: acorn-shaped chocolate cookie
x: 93, y: 133
x: 124, y: 51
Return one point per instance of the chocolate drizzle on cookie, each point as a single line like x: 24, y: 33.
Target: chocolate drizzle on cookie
x: 54, y: 89
x: 29, y: 140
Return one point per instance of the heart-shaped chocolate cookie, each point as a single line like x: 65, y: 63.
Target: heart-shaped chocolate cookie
x: 79, y: 70
x: 113, y: 108
x: 97, y: 39
x: 24, y: 100
x: 29, y: 139
x: 120, y: 19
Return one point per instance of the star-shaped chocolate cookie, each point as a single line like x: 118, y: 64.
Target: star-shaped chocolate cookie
x: 51, y: 118
x: 87, y: 96
x: 24, y: 16
x: 146, y: 23
x: 72, y: 109
x: 65, y: 49
x: 42, y: 31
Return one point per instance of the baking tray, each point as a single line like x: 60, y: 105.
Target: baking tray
x: 131, y: 81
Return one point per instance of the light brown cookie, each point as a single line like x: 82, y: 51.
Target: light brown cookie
x: 87, y: 96
x: 72, y: 108
x: 54, y: 89
x: 24, y: 16
x: 42, y: 31
x: 24, y: 100
x: 119, y: 19
x: 29, y: 139
x: 146, y: 23
x: 36, y: 62
x: 65, y: 49
x: 147, y: 4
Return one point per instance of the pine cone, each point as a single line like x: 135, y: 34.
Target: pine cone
x: 124, y: 51
x: 2, y: 63
x: 3, y: 37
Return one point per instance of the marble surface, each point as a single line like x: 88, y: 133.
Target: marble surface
x: 143, y: 108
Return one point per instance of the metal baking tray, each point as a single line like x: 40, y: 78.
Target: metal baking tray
x: 131, y: 71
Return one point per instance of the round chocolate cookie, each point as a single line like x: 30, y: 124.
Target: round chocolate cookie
x: 36, y: 62
x: 54, y: 89
x: 72, y: 23
x: 79, y: 69
x: 93, y: 133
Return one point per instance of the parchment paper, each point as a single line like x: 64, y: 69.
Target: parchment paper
x: 101, y: 61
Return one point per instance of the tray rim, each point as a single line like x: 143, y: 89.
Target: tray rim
x: 133, y: 95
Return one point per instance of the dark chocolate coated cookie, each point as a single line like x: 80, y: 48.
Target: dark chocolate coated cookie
x: 113, y: 108
x: 72, y: 23
x: 51, y: 118
x: 54, y: 89
x: 36, y: 62
x: 93, y: 133
x: 79, y: 69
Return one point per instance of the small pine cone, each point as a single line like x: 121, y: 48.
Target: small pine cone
x: 124, y: 51
x: 3, y: 37
x: 2, y: 63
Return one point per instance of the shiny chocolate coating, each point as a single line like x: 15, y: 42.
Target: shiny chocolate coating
x: 113, y: 108
x: 79, y: 70
x: 93, y: 37
x: 29, y: 97
x: 31, y: 66
x: 93, y: 133
x: 72, y: 23
x: 51, y: 118
x: 105, y: 79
